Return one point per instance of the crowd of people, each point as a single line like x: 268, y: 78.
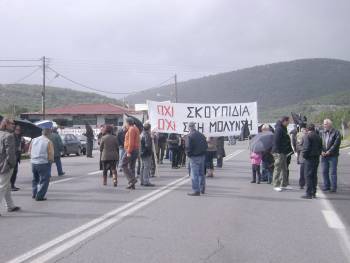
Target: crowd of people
x: 137, y: 151
x: 121, y: 150
x: 310, y: 145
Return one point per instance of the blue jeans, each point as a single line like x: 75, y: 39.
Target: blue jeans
x: 266, y: 172
x: 59, y: 165
x: 197, y: 173
x: 329, y: 167
x: 121, y: 156
x: 41, y: 179
x: 170, y: 155
x: 145, y: 169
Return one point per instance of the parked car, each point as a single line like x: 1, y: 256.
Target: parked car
x: 71, y: 145
x: 82, y: 140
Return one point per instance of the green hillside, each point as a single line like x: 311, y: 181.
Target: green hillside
x: 302, y: 85
x: 313, y: 107
x: 24, y: 98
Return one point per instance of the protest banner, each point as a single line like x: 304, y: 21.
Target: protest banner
x: 211, y: 119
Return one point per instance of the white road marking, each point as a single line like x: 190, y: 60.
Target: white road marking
x: 78, y: 239
x: 234, y: 154
x: 332, y: 219
x: 70, y: 178
x: 93, y: 173
x: 62, y: 180
x: 231, y: 155
x: 345, y: 148
x: 85, y: 231
x: 73, y: 178
x: 98, y: 221
x: 335, y: 222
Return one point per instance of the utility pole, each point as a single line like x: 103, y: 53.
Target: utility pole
x: 43, y: 89
x: 176, y: 98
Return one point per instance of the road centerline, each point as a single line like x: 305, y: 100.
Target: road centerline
x: 46, y: 246
x: 100, y: 227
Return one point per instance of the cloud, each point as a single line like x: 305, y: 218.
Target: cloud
x: 132, y: 45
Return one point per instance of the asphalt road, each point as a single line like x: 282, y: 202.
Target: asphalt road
x: 235, y: 221
x: 340, y: 201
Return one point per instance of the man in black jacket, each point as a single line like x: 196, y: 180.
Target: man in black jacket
x: 161, y: 140
x: 90, y: 136
x: 331, y: 140
x: 281, y: 149
x: 311, y: 152
x: 174, y: 147
x: 196, y: 147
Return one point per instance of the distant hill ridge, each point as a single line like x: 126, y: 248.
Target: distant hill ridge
x: 28, y: 97
x: 306, y: 85
x: 273, y: 86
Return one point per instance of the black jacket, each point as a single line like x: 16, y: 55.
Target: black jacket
x: 162, y: 137
x: 281, y: 140
x: 121, y: 137
x: 312, y: 146
x: 333, y: 142
x: 173, y: 141
x: 196, y: 144
x: 89, y: 134
x: 146, y: 144
x: 267, y: 157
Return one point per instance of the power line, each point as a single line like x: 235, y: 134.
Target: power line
x: 53, y: 79
x: 18, y: 60
x: 136, y: 67
x: 27, y: 76
x: 18, y: 66
x: 123, y: 64
x: 87, y: 87
x: 97, y: 90
x: 125, y: 69
x: 165, y: 81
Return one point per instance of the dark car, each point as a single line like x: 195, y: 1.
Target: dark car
x: 82, y: 140
x: 71, y: 145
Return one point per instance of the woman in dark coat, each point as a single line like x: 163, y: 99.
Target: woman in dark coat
x: 89, y: 140
x: 210, y: 156
x: 174, y: 146
x: 220, y: 151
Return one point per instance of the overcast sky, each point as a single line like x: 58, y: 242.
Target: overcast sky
x: 125, y: 46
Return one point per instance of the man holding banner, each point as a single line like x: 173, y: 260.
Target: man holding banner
x: 197, y: 120
x: 196, y: 147
x: 213, y: 120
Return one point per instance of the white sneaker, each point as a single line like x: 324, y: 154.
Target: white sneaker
x: 277, y: 189
x: 288, y: 187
